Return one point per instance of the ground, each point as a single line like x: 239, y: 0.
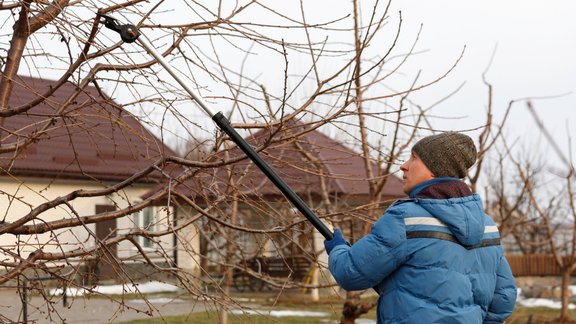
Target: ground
x: 96, y: 309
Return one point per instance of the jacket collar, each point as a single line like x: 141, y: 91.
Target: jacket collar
x: 416, y: 190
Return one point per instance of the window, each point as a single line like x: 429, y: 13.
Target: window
x: 144, y: 219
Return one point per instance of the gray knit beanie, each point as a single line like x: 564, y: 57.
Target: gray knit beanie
x: 449, y: 154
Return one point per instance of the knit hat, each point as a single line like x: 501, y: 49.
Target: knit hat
x: 448, y: 154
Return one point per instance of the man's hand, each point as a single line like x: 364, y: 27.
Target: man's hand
x: 338, y: 239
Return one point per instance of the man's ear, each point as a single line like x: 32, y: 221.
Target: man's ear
x: 431, y: 174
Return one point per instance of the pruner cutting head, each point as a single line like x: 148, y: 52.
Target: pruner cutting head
x: 128, y: 32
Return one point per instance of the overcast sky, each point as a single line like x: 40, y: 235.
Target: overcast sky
x: 534, y: 48
x: 533, y: 44
x: 535, y: 51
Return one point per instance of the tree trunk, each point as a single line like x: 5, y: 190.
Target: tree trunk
x: 354, y: 307
x: 315, y: 292
x: 566, y: 293
x: 230, y: 248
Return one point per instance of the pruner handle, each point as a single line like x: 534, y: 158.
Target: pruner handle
x: 225, y: 126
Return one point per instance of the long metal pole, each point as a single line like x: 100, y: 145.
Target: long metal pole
x: 152, y: 51
x: 226, y: 126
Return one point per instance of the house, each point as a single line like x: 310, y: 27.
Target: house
x: 56, y: 140
x: 327, y: 175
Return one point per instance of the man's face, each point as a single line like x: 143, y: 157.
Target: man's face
x: 415, y: 172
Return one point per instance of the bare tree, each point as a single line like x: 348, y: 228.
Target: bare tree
x: 552, y: 201
x: 533, y: 201
x: 164, y: 203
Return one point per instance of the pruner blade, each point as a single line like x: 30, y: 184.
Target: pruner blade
x: 128, y: 32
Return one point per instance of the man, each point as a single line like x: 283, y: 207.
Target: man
x: 434, y: 257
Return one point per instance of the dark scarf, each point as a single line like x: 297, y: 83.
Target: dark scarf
x: 445, y: 190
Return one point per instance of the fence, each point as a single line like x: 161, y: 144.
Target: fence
x: 534, y: 265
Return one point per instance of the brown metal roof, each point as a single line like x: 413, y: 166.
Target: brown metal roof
x: 342, y: 168
x: 93, y: 138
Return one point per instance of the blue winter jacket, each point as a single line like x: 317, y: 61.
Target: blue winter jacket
x: 431, y: 261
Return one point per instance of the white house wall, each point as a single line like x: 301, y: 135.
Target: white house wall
x: 19, y: 196
x: 188, y: 241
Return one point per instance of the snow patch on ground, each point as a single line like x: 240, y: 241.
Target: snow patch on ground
x: 280, y: 313
x: 142, y: 288
x: 543, y: 302
x: 162, y: 301
x: 540, y: 302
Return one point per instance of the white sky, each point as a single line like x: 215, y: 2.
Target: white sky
x: 535, y: 45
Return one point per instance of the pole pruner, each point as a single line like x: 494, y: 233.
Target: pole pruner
x: 130, y: 33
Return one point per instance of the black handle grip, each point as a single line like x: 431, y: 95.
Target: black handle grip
x: 226, y: 126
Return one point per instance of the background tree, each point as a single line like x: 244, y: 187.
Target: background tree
x: 550, y: 195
